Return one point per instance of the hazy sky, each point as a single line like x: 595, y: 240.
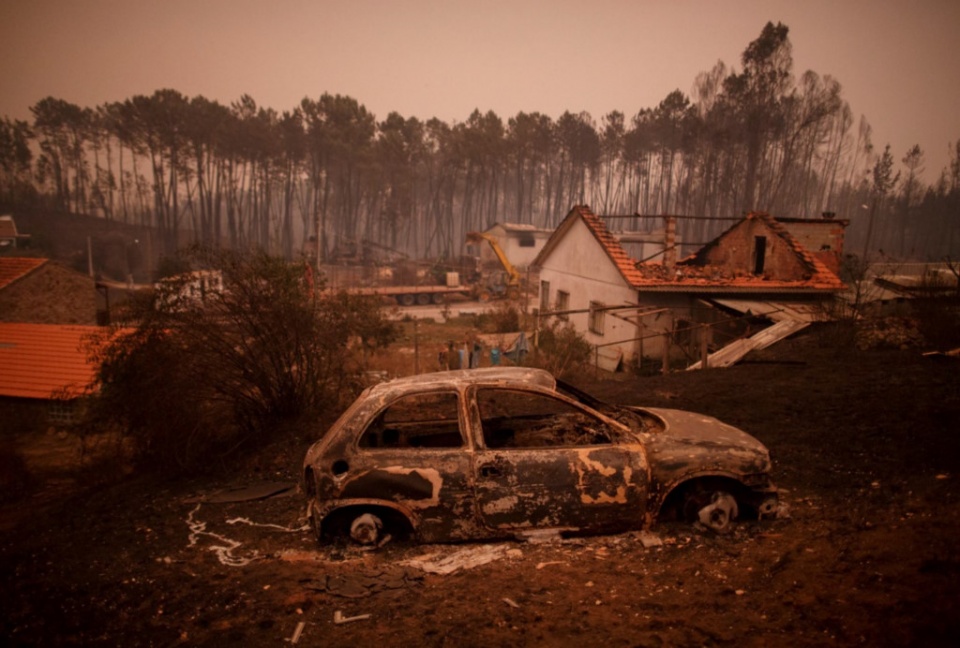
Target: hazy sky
x: 897, y: 60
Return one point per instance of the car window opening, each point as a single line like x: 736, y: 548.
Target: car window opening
x: 517, y: 420
x: 416, y: 421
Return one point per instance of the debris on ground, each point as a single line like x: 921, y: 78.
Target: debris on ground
x: 339, y: 619
x: 467, y: 558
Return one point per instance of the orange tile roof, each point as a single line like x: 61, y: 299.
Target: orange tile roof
x: 611, y: 245
x: 43, y: 360
x: 621, y: 260
x: 13, y: 268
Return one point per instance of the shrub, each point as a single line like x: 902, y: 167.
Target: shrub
x: 503, y: 318
x: 561, y: 350
x: 206, y: 375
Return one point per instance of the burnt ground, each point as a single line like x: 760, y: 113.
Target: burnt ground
x: 866, y: 448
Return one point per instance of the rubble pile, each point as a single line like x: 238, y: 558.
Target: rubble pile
x: 889, y: 333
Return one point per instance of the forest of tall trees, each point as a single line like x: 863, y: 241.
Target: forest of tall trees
x: 244, y: 175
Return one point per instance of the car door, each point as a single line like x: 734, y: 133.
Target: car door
x: 413, y: 452
x: 546, y: 462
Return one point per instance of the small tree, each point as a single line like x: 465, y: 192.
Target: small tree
x: 211, y: 368
x: 561, y: 349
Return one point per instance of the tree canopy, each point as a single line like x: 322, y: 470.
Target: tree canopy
x: 243, y: 175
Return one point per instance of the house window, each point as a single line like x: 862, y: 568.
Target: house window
x: 563, y: 304
x: 759, y: 253
x: 62, y: 412
x: 544, y: 296
x: 527, y: 239
x: 596, y: 318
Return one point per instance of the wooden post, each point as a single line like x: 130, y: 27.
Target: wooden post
x: 704, y: 347
x: 416, y: 347
x: 665, y: 369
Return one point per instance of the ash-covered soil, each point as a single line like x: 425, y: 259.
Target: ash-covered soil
x: 866, y: 448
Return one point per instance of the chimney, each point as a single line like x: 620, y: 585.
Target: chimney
x: 669, y: 242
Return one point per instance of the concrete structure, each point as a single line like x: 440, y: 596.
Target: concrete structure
x: 9, y: 236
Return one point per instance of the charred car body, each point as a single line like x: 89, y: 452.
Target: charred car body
x: 503, y: 452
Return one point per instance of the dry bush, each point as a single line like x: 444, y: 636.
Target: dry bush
x: 505, y: 317
x: 205, y: 377
x: 561, y: 350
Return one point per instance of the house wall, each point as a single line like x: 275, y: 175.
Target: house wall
x: 23, y: 416
x: 52, y: 294
x: 736, y: 253
x: 511, y: 242
x: 580, y: 267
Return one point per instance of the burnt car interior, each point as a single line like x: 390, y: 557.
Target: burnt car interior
x: 513, y: 419
x: 416, y: 421
x: 636, y: 421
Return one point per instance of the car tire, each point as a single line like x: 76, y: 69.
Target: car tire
x: 714, y: 509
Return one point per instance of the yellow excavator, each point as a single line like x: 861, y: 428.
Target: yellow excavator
x: 506, y: 284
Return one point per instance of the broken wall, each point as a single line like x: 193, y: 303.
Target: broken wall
x: 741, y: 252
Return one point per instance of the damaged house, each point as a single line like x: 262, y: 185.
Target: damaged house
x: 753, y: 285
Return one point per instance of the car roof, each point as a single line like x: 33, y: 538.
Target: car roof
x: 465, y: 377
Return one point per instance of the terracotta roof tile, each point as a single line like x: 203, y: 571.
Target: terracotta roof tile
x: 41, y: 360
x: 13, y: 268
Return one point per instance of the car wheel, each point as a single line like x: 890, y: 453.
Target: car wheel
x: 365, y: 529
x: 717, y: 510
x: 407, y: 300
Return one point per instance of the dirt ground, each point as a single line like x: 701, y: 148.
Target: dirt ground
x: 866, y: 449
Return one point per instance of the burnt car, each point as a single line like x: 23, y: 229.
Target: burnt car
x: 511, y: 451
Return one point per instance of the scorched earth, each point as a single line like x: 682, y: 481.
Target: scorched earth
x: 865, y: 450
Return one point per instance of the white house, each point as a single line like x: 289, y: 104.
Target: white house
x: 520, y: 244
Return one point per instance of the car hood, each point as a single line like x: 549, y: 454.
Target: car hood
x: 691, y: 442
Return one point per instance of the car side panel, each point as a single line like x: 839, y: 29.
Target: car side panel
x: 586, y: 489
x: 433, y: 484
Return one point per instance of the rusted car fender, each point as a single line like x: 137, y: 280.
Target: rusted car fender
x: 753, y: 494
x: 319, y: 514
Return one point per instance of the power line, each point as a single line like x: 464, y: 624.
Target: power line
x: 678, y: 216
